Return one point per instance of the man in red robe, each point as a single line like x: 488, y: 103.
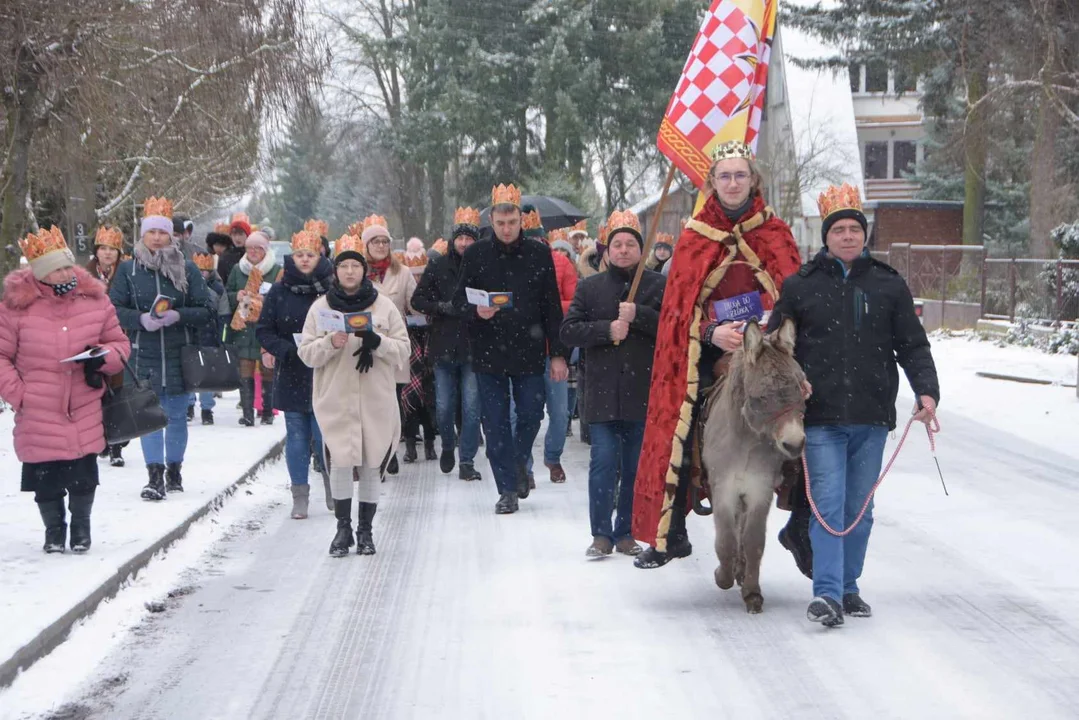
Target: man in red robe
x: 733, y: 246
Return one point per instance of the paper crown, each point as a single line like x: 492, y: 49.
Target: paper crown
x: 42, y: 243
x: 415, y: 255
x: 203, y: 261
x: 603, y: 234
x: 505, y: 195
x: 531, y: 221
x: 319, y: 227
x: 372, y: 220
x: 109, y: 237
x: 837, y: 198
x: 346, y: 243
x: 307, y: 240
x: 466, y: 216
x: 733, y: 150
x: 441, y: 246
x: 623, y: 220
x: 240, y: 217
x: 662, y: 237
x: 221, y: 228
x: 155, y: 206
x: 356, y: 229
x: 581, y: 227
x: 556, y: 235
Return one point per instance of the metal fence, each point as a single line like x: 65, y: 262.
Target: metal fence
x: 1003, y: 288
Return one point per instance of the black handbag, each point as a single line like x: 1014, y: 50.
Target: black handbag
x: 210, y: 369
x: 132, y: 411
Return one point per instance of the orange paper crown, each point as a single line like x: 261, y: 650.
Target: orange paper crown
x: 839, y: 197
x: 372, y: 220
x: 603, y: 234
x: 240, y: 217
x: 44, y: 242
x: 505, y: 195
x: 221, y: 228
x: 557, y: 235
x: 348, y: 242
x: 466, y: 216
x: 531, y: 221
x: 665, y: 238
x: 441, y: 246
x: 580, y: 227
x: 203, y: 261
x: 623, y: 220
x: 157, y: 207
x: 355, y: 229
x: 307, y: 240
x: 109, y: 237
x: 319, y: 227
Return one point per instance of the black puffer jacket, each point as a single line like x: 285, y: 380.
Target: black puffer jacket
x: 447, y: 339
x: 852, y: 330
x: 617, y: 377
x: 516, y: 341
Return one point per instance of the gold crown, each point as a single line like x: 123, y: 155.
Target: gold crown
x: 319, y: 227
x: 355, y: 229
x: 351, y: 243
x: 109, y: 237
x: 580, y: 227
x: 240, y: 217
x: 505, y: 195
x: 557, y: 235
x: 839, y: 197
x: 466, y: 216
x: 44, y: 242
x: 531, y: 221
x: 307, y: 240
x: 441, y: 246
x: 203, y: 261
x: 733, y: 150
x: 665, y: 238
x: 371, y: 220
x: 603, y: 234
x: 157, y: 207
x: 623, y: 220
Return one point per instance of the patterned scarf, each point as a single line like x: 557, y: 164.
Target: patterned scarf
x: 168, y: 261
x: 378, y: 268
x: 412, y: 395
x: 64, y: 288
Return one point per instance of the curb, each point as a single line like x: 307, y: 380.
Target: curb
x: 52, y: 636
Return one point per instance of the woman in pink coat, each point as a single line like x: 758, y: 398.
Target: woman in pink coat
x: 51, y: 311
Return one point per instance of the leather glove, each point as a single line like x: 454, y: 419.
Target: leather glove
x: 370, y: 339
x: 150, y: 323
x: 170, y: 317
x: 91, y: 368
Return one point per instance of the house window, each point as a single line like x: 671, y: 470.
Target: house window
x: 876, y: 77
x: 906, y: 80
x: 876, y: 161
x: 904, y: 158
x: 855, y: 70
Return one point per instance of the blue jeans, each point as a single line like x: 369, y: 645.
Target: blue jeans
x: 456, y: 385
x: 844, y: 463
x: 557, y: 396
x: 509, y: 444
x: 168, y: 445
x: 206, y: 400
x: 300, y: 429
x: 616, y: 447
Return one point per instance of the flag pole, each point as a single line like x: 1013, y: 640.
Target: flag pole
x: 651, y: 236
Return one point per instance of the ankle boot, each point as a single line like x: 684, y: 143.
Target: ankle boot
x: 116, y: 458
x: 410, y: 451
x: 247, y: 402
x: 175, y: 481
x: 429, y: 447
x: 80, y: 506
x: 267, y: 403
x: 155, y: 488
x: 343, y: 540
x: 300, y: 496
x: 55, y: 518
x: 365, y: 541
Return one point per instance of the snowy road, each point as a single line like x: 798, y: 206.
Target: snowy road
x: 465, y: 614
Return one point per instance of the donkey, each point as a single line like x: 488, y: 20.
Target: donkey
x: 755, y: 425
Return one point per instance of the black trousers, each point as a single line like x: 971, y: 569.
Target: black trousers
x: 52, y: 480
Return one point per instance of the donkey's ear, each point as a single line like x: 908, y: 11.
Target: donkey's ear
x: 754, y: 340
x: 786, y: 336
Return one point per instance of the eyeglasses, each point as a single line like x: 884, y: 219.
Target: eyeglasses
x: 379, y: 241
x: 739, y: 177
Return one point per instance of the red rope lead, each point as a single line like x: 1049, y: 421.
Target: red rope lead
x: 931, y: 429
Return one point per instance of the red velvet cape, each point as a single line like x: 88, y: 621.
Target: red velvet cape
x: 694, y: 260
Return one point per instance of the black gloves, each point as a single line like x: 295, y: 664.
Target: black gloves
x: 91, y: 367
x: 447, y: 309
x: 365, y: 359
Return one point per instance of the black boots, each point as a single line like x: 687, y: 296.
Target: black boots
x: 410, y: 451
x: 54, y: 516
x: 247, y: 402
x: 524, y: 487
x: 392, y: 468
x: 429, y: 447
x: 267, y: 403
x: 448, y: 459
x: 80, y: 506
x: 343, y: 540
x: 155, y: 488
x: 365, y: 541
x: 826, y: 611
x: 469, y: 472
x: 116, y: 458
x: 175, y: 481
x: 207, y: 417
x: 507, y: 504
x: 678, y: 545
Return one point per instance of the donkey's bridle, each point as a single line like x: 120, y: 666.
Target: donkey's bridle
x: 798, y: 408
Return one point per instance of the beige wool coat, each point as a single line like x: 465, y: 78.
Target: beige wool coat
x: 399, y: 287
x: 357, y: 412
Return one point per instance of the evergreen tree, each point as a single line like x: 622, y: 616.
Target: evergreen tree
x: 301, y: 166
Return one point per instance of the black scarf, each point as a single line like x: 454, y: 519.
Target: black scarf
x: 340, y: 301
x: 317, y: 283
x: 624, y: 276
x: 736, y: 214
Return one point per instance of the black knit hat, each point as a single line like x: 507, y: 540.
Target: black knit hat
x: 845, y: 214
x: 472, y: 231
x: 216, y: 238
x: 350, y: 255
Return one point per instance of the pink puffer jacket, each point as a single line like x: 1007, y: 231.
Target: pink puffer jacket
x: 57, y: 415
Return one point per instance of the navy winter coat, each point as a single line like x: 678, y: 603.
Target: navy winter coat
x: 284, y: 311
x: 155, y: 356
x: 448, y: 337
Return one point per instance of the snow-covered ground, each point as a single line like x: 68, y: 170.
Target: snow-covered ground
x: 465, y: 614
x: 36, y: 590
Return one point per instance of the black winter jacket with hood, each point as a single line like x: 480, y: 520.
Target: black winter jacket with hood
x: 853, y: 328
x: 447, y: 340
